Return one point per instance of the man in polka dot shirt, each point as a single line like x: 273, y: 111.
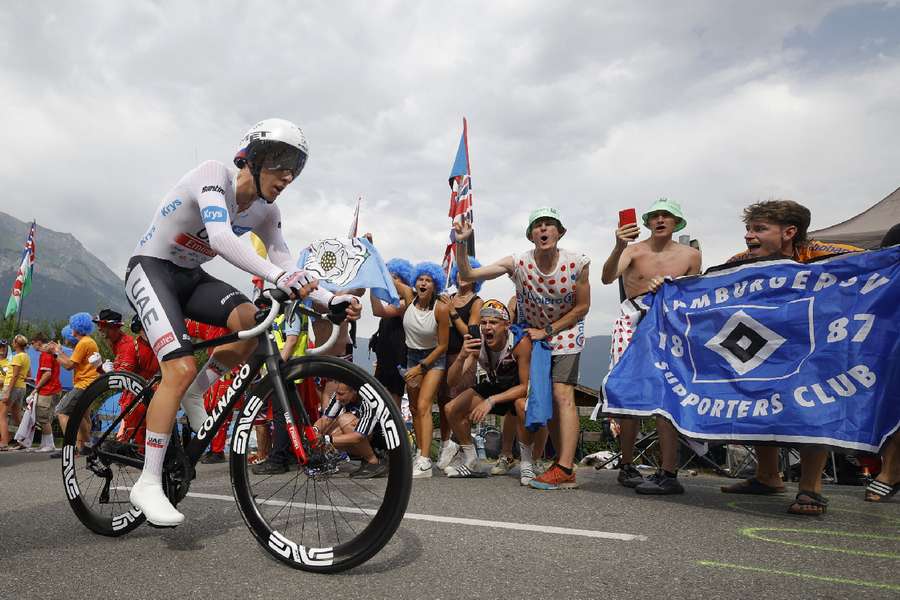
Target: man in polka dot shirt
x: 553, y: 295
x: 639, y: 264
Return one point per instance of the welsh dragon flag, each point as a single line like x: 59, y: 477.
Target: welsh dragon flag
x: 22, y: 284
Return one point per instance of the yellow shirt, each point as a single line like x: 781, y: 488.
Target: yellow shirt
x: 4, y: 367
x: 84, y: 373
x: 22, y: 361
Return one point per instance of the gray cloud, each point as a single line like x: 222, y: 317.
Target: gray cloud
x: 586, y: 106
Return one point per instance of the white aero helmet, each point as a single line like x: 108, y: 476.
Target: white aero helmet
x: 273, y: 144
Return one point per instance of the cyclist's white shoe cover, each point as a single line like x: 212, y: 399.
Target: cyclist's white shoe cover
x: 147, y: 493
x: 149, y: 497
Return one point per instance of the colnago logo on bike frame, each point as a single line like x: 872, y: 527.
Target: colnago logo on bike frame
x: 382, y: 415
x: 316, y: 557
x: 245, y: 422
x: 217, y: 410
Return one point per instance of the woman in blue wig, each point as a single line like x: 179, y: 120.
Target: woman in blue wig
x: 426, y: 324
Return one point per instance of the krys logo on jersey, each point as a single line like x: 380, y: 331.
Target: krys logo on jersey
x: 776, y: 351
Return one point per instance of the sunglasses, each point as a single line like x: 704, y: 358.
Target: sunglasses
x: 284, y: 158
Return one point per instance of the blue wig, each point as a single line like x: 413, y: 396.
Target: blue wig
x: 402, y: 268
x: 454, y: 274
x: 434, y: 271
x: 82, y: 323
x: 66, y: 334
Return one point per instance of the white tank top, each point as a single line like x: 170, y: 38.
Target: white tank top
x: 420, y: 327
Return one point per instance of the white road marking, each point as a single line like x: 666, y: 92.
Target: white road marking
x: 590, y: 533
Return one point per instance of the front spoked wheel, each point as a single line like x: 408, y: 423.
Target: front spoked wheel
x: 97, y: 482
x: 334, y: 515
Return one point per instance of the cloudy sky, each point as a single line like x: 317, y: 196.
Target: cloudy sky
x: 587, y: 106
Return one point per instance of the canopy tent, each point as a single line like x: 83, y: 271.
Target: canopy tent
x: 867, y: 228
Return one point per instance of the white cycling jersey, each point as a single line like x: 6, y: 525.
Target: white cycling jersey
x: 198, y: 219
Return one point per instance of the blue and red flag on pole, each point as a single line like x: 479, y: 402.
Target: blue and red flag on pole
x: 22, y: 284
x: 461, y: 198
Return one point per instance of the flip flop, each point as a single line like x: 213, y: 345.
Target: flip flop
x: 808, y: 504
x: 752, y: 486
x: 879, y: 491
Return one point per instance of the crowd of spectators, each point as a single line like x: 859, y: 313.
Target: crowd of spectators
x: 471, y: 356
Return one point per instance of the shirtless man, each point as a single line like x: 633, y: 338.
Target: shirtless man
x: 642, y: 267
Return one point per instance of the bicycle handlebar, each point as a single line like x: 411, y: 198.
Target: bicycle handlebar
x: 278, y: 298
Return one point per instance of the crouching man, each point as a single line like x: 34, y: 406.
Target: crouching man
x: 347, y: 424
x: 502, y: 358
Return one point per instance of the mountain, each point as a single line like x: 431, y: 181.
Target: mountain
x: 593, y: 366
x: 67, y: 277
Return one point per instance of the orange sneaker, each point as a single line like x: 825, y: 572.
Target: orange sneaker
x: 554, y: 478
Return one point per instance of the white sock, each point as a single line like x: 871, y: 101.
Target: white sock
x: 525, y: 452
x: 469, y: 453
x: 192, y: 403
x: 47, y: 440
x: 155, y: 445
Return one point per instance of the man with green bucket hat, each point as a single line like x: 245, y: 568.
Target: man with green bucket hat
x: 553, y: 295
x: 642, y: 267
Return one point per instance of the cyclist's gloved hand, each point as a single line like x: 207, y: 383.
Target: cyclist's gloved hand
x: 107, y: 366
x: 343, y: 307
x: 292, y: 283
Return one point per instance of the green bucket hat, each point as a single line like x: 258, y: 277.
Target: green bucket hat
x: 539, y: 213
x: 669, y: 206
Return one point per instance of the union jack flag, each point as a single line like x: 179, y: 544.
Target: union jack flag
x: 461, y: 199
x: 22, y: 284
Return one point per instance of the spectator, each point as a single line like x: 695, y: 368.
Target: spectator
x: 503, y: 353
x: 84, y: 361
x: 639, y: 265
x: 777, y: 228
x: 347, y: 424
x: 48, y: 389
x: 12, y: 397
x: 135, y: 356
x: 389, y: 342
x: 426, y: 325
x: 109, y: 325
x: 465, y: 314
x: 887, y: 483
x: 553, y: 293
x: 4, y: 363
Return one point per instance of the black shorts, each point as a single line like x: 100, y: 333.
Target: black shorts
x: 390, y: 378
x: 486, y: 389
x: 164, y: 294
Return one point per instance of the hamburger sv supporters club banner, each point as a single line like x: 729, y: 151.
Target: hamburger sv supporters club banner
x: 771, y: 351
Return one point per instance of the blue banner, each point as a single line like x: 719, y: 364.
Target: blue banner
x: 349, y: 263
x: 771, y: 351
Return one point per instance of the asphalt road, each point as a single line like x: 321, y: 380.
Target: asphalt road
x: 703, y: 544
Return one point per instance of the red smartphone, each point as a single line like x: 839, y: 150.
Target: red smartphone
x: 627, y: 217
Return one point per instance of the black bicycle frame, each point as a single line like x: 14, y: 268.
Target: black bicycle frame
x: 267, y: 354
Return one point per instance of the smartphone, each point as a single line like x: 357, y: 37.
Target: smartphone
x: 475, y: 331
x: 627, y: 217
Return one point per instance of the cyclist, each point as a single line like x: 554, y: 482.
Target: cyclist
x: 200, y: 218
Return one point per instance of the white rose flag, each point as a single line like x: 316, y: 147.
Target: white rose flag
x: 349, y: 263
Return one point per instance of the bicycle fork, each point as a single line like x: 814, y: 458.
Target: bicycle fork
x: 302, y: 435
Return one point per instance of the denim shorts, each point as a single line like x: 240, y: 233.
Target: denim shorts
x: 413, y: 357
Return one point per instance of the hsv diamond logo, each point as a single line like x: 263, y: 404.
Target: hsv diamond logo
x: 738, y: 343
x: 744, y: 342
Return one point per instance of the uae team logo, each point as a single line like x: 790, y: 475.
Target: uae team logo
x: 336, y: 260
x: 750, y: 343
